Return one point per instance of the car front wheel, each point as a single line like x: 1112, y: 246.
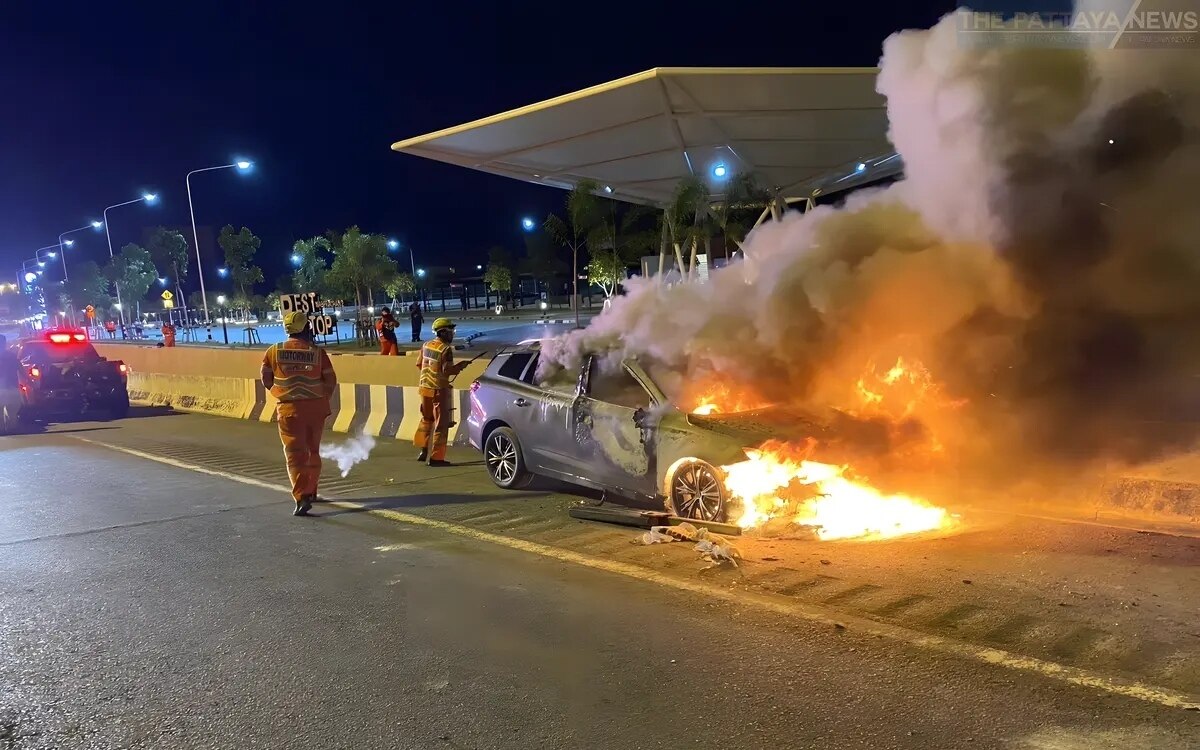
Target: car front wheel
x: 696, y: 492
x: 502, y: 454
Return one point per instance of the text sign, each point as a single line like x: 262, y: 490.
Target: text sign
x: 311, y: 304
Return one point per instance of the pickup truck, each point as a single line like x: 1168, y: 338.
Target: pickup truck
x: 63, y: 376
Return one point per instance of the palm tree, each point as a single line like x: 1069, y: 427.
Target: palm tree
x: 686, y: 221
x: 729, y: 214
x: 584, y: 222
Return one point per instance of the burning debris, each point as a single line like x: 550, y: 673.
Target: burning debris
x: 1020, y: 309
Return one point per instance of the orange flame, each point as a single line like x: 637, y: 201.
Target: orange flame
x: 836, y: 506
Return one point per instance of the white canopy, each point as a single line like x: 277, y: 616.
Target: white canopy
x: 638, y: 136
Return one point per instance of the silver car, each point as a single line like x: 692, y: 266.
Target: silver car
x: 613, y: 431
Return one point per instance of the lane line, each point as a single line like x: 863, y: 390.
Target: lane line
x: 812, y: 613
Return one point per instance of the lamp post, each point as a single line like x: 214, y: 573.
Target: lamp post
x: 148, y: 198
x: 241, y: 165
x: 224, y: 321
x: 68, y: 243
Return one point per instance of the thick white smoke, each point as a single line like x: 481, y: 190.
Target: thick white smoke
x: 357, y: 448
x: 1040, y: 258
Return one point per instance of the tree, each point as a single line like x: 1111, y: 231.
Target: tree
x: 361, y: 265
x: 401, y: 283
x: 312, y: 264
x: 686, y: 220
x: 584, y: 218
x: 133, y: 271
x: 498, y: 279
x: 732, y: 215
x: 240, y: 248
x: 606, y: 269
x: 89, y: 286
x: 169, y: 253
x: 542, y: 259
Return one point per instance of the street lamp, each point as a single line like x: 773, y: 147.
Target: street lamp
x: 224, y: 317
x: 147, y: 198
x: 527, y: 224
x: 222, y: 271
x: 240, y: 165
x: 421, y: 272
x: 68, y: 243
x: 296, y: 259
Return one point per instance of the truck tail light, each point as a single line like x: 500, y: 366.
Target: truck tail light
x: 124, y: 368
x: 35, y: 373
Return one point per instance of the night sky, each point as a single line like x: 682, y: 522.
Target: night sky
x: 105, y: 100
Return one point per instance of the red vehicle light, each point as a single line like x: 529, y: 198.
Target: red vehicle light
x: 66, y: 337
x: 124, y: 368
x: 35, y: 373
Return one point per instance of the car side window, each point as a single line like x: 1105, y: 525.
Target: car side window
x: 514, y: 365
x: 619, y: 388
x: 530, y: 375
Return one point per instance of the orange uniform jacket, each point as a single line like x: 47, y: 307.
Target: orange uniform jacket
x: 301, y: 370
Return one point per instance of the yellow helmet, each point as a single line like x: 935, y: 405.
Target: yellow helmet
x: 441, y: 323
x: 295, y: 321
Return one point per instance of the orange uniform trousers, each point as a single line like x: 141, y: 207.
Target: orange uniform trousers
x: 436, y: 414
x: 168, y: 339
x: 300, y: 426
x: 387, y: 347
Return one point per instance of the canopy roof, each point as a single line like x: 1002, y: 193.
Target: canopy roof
x: 638, y: 136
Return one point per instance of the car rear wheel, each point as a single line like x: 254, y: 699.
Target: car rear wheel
x: 502, y: 454
x: 696, y: 492
x: 119, y: 408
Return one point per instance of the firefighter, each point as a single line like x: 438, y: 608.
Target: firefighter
x: 386, y: 328
x: 300, y: 376
x: 168, y: 333
x: 437, y: 368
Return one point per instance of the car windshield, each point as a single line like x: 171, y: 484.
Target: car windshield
x: 45, y: 352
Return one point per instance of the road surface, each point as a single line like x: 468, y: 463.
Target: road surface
x: 155, y: 593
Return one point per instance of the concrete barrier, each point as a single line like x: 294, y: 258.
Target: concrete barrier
x: 377, y: 395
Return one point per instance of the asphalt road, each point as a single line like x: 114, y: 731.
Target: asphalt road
x: 145, y: 605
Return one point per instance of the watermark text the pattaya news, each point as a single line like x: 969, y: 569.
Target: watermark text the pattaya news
x: 1136, y: 27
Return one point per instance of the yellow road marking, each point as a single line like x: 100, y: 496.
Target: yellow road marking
x: 812, y: 613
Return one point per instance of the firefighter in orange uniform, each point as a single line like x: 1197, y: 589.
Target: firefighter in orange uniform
x: 437, y: 368
x: 299, y: 374
x: 386, y: 327
x: 168, y: 332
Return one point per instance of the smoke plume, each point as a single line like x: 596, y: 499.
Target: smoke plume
x: 1040, y: 261
x: 357, y: 448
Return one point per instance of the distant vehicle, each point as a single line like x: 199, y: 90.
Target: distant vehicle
x: 614, y: 431
x: 63, y: 376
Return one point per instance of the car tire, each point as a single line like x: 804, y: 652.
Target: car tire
x: 119, y: 408
x: 695, y: 490
x: 504, y: 461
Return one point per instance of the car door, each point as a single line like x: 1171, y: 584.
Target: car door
x: 613, y: 439
x: 540, y: 414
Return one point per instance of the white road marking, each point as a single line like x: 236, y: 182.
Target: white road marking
x: 778, y: 605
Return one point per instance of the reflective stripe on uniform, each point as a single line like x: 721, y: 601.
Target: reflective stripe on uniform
x: 434, y: 374
x: 298, y: 369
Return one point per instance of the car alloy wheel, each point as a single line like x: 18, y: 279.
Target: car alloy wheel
x: 502, y: 454
x: 696, y: 492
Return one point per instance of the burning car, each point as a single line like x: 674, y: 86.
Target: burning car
x: 614, y: 429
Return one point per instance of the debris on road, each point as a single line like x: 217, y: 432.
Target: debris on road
x: 643, y: 519
x: 714, y: 548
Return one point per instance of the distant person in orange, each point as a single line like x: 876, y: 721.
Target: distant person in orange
x: 299, y: 374
x: 168, y: 332
x: 386, y: 327
x: 437, y: 368
x: 110, y: 327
